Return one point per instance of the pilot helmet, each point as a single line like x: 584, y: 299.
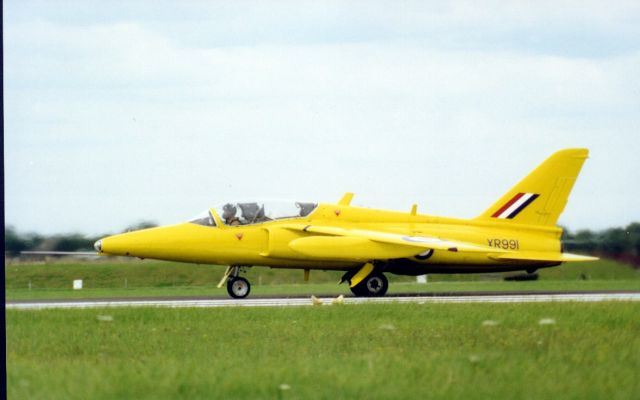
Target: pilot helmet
x: 229, y: 210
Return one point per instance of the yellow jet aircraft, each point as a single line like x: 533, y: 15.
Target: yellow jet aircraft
x: 518, y: 232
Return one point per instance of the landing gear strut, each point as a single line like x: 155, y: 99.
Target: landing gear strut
x: 237, y: 286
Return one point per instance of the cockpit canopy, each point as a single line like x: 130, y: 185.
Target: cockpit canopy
x: 204, y: 218
x: 238, y: 213
x: 256, y: 212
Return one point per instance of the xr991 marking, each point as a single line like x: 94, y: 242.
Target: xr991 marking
x: 507, y: 244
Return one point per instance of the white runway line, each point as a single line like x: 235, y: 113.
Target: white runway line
x: 283, y: 302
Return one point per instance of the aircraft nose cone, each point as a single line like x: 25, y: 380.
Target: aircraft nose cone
x: 98, y: 246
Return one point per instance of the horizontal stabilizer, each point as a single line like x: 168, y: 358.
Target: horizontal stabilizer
x: 541, y: 256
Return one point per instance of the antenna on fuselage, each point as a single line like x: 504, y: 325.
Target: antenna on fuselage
x: 346, y: 199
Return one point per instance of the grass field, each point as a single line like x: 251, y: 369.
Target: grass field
x: 374, y: 351
x: 135, y: 278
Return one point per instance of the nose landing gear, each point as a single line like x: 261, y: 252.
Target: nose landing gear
x: 237, y: 286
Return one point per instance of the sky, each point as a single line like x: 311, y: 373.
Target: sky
x: 118, y: 112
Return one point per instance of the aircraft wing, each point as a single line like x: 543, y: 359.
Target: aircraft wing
x: 424, y: 242
x: 357, y: 244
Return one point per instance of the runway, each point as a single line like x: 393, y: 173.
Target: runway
x: 326, y: 300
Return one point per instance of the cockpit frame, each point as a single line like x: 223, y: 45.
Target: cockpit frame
x: 252, y: 213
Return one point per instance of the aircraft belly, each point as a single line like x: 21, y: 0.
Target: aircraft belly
x: 413, y: 268
x: 455, y: 258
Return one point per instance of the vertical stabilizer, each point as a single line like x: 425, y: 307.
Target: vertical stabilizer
x: 541, y: 196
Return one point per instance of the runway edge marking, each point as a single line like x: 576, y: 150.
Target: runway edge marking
x: 284, y: 302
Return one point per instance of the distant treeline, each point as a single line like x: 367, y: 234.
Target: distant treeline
x: 15, y: 242
x: 619, y: 243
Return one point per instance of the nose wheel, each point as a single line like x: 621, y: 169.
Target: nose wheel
x: 238, y: 287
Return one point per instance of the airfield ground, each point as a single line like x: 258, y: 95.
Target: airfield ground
x: 448, y: 351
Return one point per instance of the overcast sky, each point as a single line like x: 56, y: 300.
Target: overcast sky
x: 117, y: 112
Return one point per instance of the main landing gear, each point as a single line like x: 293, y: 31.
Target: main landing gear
x: 374, y: 285
x: 367, y: 281
x: 237, y: 286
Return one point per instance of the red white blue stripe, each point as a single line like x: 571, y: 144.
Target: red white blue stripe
x: 514, y: 206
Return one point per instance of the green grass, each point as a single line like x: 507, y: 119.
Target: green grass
x: 374, y: 351
x: 152, y: 278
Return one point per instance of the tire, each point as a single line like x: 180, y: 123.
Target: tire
x: 374, y: 285
x: 238, y: 288
x: 357, y: 291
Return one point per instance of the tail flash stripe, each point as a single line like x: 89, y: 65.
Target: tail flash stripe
x: 522, y: 207
x: 515, y: 205
x: 502, y: 209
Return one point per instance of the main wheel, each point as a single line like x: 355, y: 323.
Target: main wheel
x: 374, y: 285
x: 238, y: 287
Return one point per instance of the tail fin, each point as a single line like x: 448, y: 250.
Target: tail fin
x: 541, y: 196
